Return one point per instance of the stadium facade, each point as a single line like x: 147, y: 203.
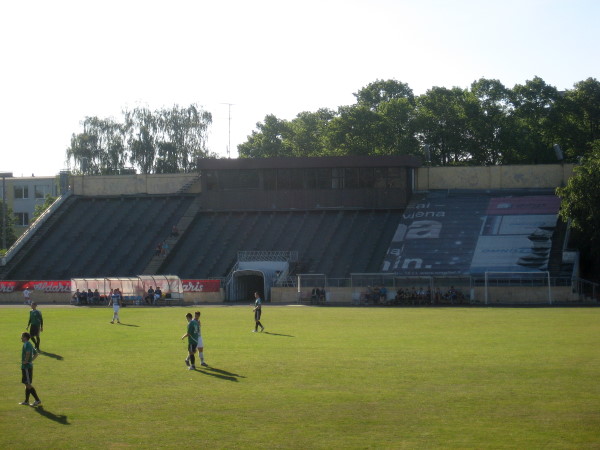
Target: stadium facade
x: 276, y: 224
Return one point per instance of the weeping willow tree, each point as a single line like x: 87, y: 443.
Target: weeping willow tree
x: 161, y: 141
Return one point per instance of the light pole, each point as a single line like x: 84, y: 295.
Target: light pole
x: 4, y: 175
x: 229, y: 142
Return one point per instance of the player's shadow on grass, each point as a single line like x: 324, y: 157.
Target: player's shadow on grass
x: 51, y: 355
x: 220, y: 373
x: 60, y: 418
x: 278, y: 334
x: 128, y: 325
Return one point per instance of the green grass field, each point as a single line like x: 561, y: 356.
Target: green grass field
x: 317, y: 378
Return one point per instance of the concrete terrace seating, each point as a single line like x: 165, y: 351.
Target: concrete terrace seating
x: 99, y: 236
x: 338, y: 241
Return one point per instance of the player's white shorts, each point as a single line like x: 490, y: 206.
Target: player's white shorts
x: 116, y: 308
x: 200, y: 343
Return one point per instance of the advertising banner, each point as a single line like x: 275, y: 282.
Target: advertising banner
x: 201, y: 285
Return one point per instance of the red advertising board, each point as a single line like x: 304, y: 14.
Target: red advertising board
x: 44, y: 286
x: 201, y: 285
x: 65, y: 286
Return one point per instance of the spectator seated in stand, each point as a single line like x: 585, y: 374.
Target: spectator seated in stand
x: 90, y: 297
x: 174, y: 231
x: 96, y: 297
x: 83, y: 298
x: 75, y: 297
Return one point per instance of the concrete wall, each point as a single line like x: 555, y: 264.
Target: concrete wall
x: 543, y: 176
x: 493, y: 177
x: 130, y: 184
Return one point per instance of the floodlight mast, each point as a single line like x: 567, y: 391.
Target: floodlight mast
x: 229, y: 105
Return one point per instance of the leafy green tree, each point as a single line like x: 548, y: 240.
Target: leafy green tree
x: 11, y: 236
x: 580, y: 114
x: 441, y: 123
x: 161, y: 141
x: 579, y: 203
x: 99, y: 149
x: 307, y: 132
x: 383, y: 91
x: 41, y: 207
x: 271, y: 140
x: 355, y: 131
x: 489, y: 123
x: 536, y: 121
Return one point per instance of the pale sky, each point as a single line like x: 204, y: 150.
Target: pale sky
x: 65, y: 60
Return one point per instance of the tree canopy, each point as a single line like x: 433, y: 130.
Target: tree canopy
x: 485, y: 124
x: 161, y: 141
x: 580, y: 204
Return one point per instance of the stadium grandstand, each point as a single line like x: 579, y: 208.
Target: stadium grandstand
x: 283, y: 226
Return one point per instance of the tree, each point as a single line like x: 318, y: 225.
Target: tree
x: 268, y: 141
x: 11, y: 236
x: 441, y: 123
x: 536, y: 121
x: 307, y: 133
x: 580, y: 114
x: 41, y: 207
x: 579, y: 203
x: 100, y: 149
x: 162, y: 141
x: 355, y: 131
x: 382, y: 91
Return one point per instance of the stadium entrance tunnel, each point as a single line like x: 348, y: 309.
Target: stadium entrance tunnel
x: 244, y: 284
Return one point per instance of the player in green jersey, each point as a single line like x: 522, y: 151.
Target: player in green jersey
x: 28, y: 354
x: 192, y: 334
x: 35, y: 325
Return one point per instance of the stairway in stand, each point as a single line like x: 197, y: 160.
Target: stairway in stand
x: 156, y: 262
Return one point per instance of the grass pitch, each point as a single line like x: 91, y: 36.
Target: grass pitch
x: 316, y: 378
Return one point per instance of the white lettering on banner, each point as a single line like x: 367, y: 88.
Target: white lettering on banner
x: 6, y: 289
x: 424, y: 229
x: 193, y: 287
x: 420, y: 214
x: 52, y: 287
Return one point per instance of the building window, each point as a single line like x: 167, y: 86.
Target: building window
x: 337, y: 179
x: 41, y: 191
x: 21, y: 192
x: 22, y: 219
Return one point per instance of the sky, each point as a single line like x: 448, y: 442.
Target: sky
x: 63, y: 61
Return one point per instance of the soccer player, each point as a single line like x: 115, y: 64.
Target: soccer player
x: 115, y: 300
x: 35, y: 325
x: 200, y: 345
x: 257, y: 312
x: 192, y: 335
x: 28, y: 354
x: 27, y: 296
